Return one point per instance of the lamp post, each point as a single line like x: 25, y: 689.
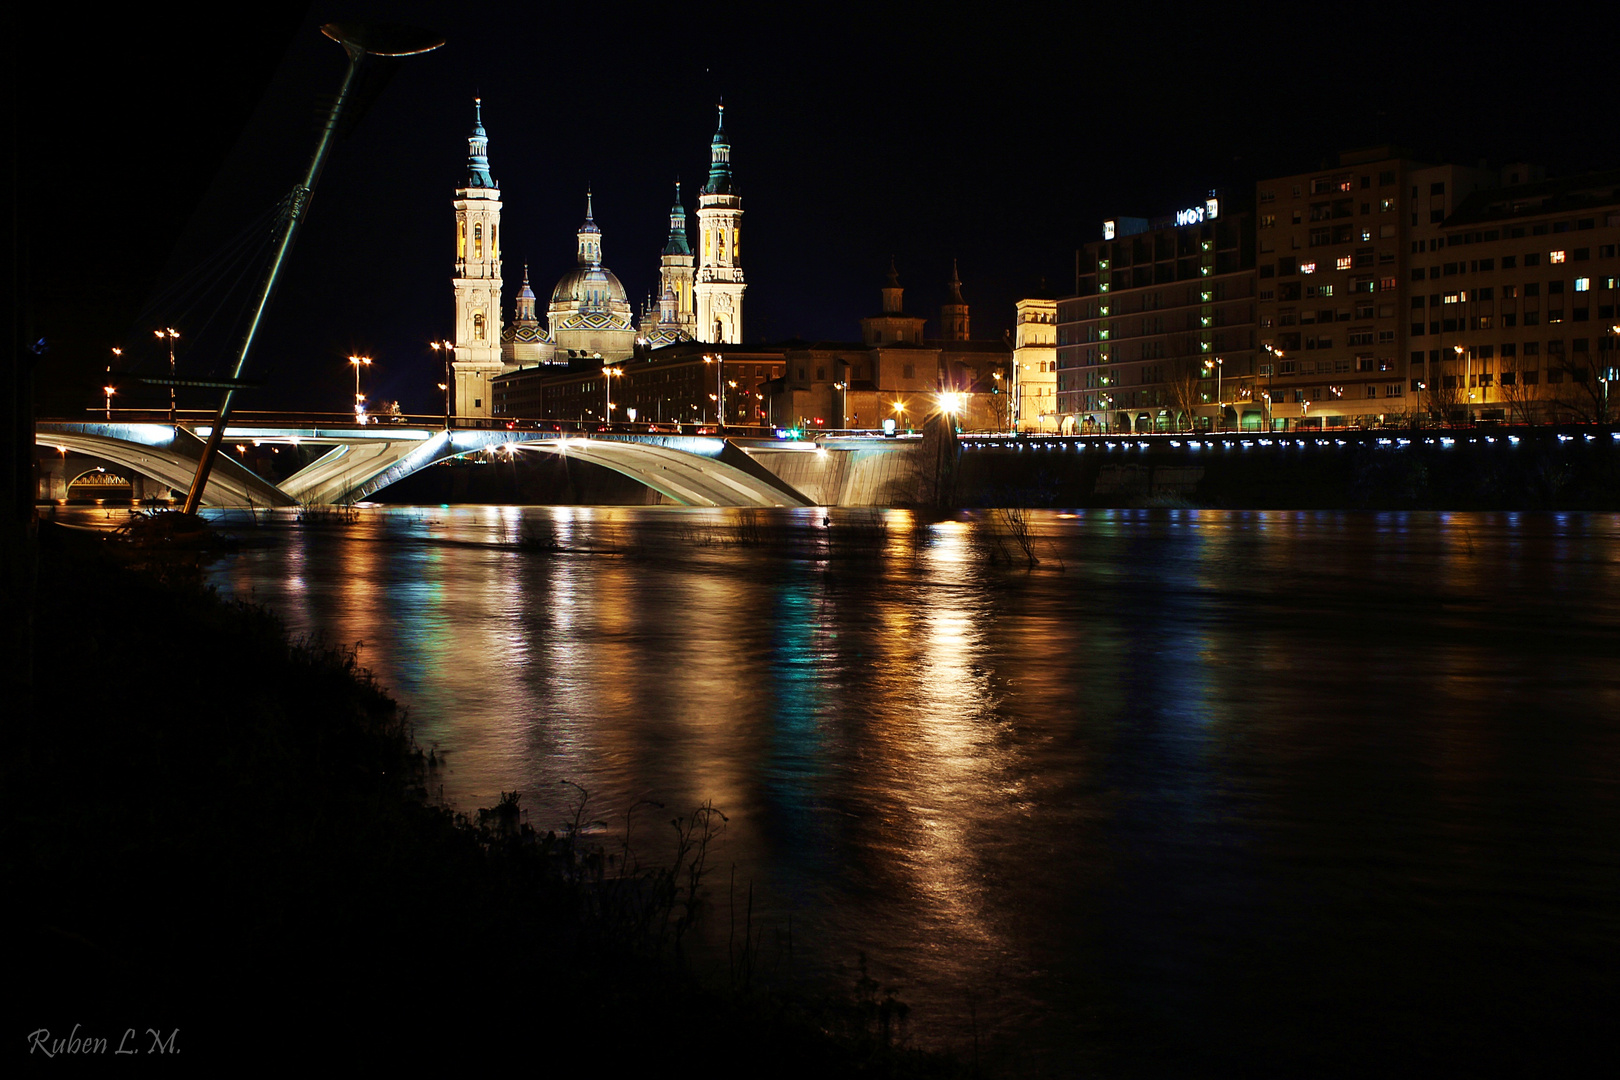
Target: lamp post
x: 108, y: 389
x: 1609, y: 373
x: 1468, y: 406
x: 1417, y: 414
x: 1220, y: 406
x: 719, y: 395
x: 608, y: 372
x: 1277, y: 355
x: 1107, y: 403
x: 449, y: 350
x: 843, y: 403
x: 359, y: 399
x: 171, y: 333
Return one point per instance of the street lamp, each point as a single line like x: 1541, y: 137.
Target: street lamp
x: 1266, y: 393
x: 171, y: 333
x: 359, y: 399
x: 117, y: 354
x: 608, y: 373
x: 1468, y: 408
x: 1220, y: 406
x: 1609, y: 373
x: 719, y: 395
x: 843, y: 403
x: 449, y: 350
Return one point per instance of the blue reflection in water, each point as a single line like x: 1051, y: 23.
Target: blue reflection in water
x: 1202, y: 794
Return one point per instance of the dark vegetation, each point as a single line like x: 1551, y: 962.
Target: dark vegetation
x: 212, y: 828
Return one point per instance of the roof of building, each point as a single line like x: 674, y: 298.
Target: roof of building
x: 1565, y: 195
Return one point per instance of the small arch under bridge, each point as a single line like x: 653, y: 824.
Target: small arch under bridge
x: 690, y: 470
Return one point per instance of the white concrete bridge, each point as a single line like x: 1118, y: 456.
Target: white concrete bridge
x: 689, y: 470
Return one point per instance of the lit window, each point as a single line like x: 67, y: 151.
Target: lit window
x: 1308, y: 268
x: 1386, y: 205
x: 1555, y: 256
x: 1582, y: 284
x: 1386, y: 283
x: 1366, y: 234
x: 1344, y: 262
x: 1324, y: 290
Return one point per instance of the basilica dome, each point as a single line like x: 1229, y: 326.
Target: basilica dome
x: 591, y: 287
x: 589, y: 297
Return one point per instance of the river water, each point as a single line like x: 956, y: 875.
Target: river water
x: 1200, y: 793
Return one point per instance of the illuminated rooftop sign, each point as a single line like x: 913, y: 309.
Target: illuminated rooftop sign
x: 1116, y: 228
x: 1197, y: 215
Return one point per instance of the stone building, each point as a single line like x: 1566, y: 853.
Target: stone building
x: 589, y: 322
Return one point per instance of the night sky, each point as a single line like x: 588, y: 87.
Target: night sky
x: 1001, y: 138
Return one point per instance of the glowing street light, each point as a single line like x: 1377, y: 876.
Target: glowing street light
x: 719, y: 395
x: 117, y: 354
x: 1220, y: 406
x: 449, y: 350
x: 359, y: 399
x: 608, y: 372
x: 171, y: 333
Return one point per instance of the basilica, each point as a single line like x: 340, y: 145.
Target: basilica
x: 589, y: 316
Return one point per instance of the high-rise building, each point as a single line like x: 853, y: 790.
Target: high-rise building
x: 1336, y: 251
x: 1160, y: 332
x: 1513, y: 311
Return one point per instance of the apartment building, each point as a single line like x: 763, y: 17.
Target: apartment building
x: 1513, y: 305
x: 1161, y: 328
x: 1342, y: 261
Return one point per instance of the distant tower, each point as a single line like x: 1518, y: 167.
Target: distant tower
x: 719, y: 288
x: 893, y: 326
x: 953, y: 314
x: 478, y: 279
x: 675, y: 274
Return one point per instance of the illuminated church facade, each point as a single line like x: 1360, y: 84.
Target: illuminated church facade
x: 589, y: 317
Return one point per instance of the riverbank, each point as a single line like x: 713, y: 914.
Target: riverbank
x: 215, y: 831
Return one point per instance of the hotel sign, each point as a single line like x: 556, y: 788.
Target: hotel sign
x: 1197, y: 215
x: 1118, y: 228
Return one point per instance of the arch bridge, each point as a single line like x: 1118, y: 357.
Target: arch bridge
x: 690, y: 470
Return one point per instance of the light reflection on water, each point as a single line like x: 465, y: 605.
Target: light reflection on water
x: 1201, y: 788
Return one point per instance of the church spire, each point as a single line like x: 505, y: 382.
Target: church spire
x: 590, y: 237
x: 525, y: 303
x: 478, y: 150
x: 720, y: 182
x: 892, y: 292
x: 677, y: 244
x: 953, y: 314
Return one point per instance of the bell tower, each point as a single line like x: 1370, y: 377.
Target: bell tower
x: 478, y: 280
x: 675, y: 273
x: 719, y: 289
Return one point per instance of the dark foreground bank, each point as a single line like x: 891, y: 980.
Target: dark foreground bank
x: 217, y: 844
